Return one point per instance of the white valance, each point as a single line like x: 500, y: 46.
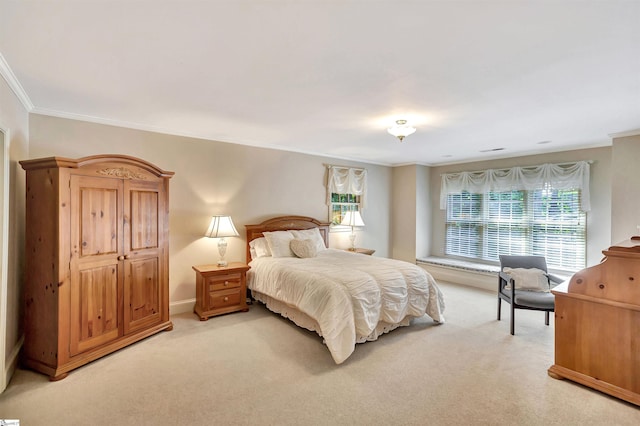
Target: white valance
x: 560, y: 176
x: 347, y: 180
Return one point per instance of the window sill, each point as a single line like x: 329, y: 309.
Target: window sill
x: 460, y: 264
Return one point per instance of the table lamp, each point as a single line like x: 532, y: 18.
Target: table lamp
x: 221, y: 227
x: 352, y: 218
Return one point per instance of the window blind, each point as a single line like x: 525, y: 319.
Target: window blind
x: 547, y: 222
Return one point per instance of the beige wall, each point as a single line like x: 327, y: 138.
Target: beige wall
x: 625, y: 192
x: 598, y: 219
x: 423, y: 211
x: 15, y: 120
x: 403, y: 216
x: 411, y: 212
x: 251, y: 184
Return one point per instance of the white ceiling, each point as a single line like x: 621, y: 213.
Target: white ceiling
x: 328, y: 77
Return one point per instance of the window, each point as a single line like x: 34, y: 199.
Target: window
x: 531, y: 210
x: 546, y: 222
x: 340, y: 204
x: 346, y: 190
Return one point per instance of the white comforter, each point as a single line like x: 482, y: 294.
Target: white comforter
x: 348, y: 294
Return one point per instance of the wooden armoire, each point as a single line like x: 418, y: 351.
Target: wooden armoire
x: 97, y: 270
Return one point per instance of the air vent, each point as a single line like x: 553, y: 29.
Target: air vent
x: 492, y: 150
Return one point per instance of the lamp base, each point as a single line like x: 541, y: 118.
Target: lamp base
x: 352, y: 237
x: 222, y: 250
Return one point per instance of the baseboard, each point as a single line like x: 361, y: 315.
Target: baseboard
x: 181, y: 306
x: 12, y: 362
x: 484, y: 280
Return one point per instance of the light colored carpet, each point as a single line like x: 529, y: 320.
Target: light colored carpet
x: 258, y: 368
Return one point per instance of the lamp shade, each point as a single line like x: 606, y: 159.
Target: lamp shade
x: 352, y: 218
x: 220, y: 227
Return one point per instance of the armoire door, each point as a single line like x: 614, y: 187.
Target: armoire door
x: 143, y: 242
x: 96, y: 262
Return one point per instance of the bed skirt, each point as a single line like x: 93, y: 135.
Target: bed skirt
x: 305, y: 321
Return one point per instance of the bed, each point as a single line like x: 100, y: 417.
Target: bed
x: 345, y: 297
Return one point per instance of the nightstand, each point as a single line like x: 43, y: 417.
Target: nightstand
x: 220, y: 289
x: 362, y: 251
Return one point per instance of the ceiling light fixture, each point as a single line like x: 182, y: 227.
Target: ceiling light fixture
x: 401, y: 129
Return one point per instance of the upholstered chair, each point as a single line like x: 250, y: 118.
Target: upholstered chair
x: 524, y: 283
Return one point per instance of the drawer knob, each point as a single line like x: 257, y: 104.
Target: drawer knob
x: 226, y: 299
x: 226, y: 283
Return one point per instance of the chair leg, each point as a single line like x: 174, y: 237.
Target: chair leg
x: 499, y: 306
x: 546, y: 317
x: 513, y: 320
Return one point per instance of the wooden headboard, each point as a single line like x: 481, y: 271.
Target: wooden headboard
x: 283, y: 223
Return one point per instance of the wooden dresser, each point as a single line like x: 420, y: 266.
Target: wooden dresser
x: 597, y: 324
x: 97, y: 252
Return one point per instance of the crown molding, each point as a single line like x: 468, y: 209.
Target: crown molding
x: 635, y: 132
x: 413, y: 163
x: 14, y: 84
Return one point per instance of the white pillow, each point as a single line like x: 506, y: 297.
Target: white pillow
x: 312, y: 234
x: 279, y: 243
x: 259, y: 248
x: 531, y: 279
x: 303, y: 248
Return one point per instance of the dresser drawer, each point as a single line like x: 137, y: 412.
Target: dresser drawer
x: 220, y: 299
x: 221, y: 282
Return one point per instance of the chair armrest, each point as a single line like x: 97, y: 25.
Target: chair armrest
x: 555, y: 279
x: 504, y: 276
x: 505, y: 279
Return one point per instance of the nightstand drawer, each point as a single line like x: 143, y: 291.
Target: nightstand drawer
x: 221, y: 282
x: 220, y: 299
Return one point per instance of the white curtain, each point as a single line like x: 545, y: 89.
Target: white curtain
x: 559, y: 176
x: 347, y: 180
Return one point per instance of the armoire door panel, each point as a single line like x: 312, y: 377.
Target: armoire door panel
x: 98, y: 221
x: 144, y: 219
x: 96, y: 226
x: 94, y: 307
x: 142, y: 293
